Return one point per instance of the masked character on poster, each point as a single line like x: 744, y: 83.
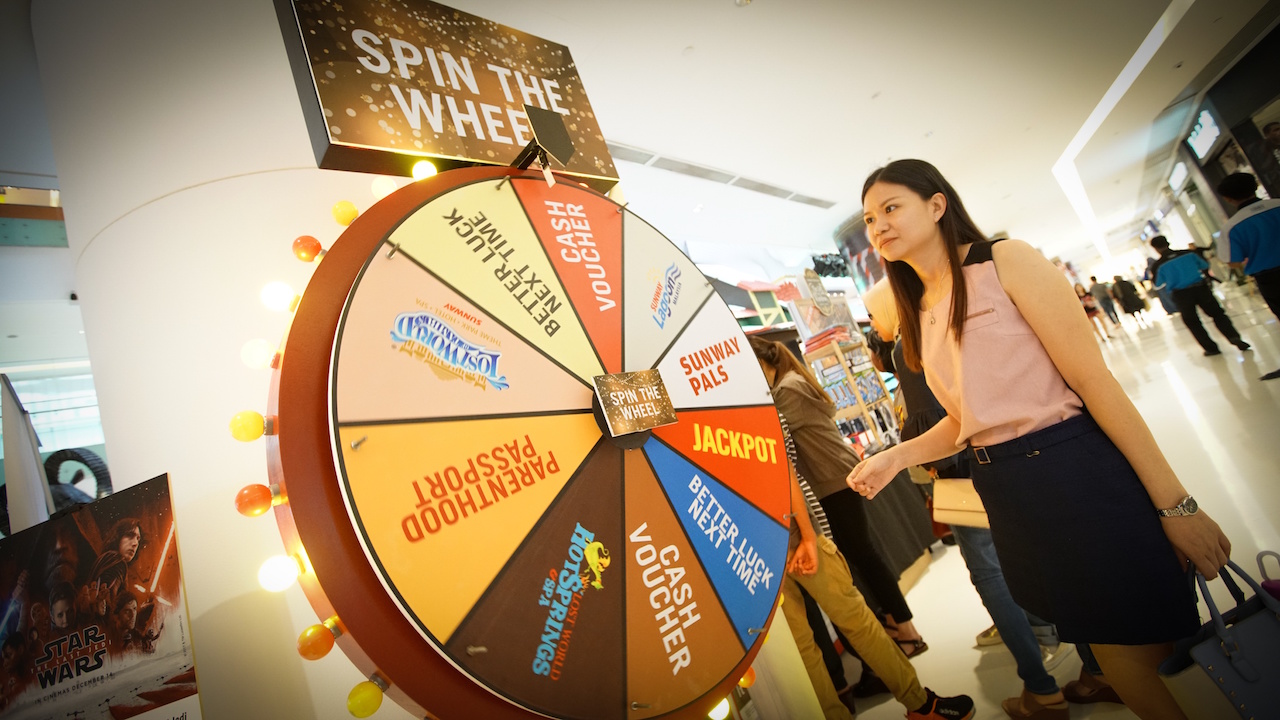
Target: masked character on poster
x: 112, y: 567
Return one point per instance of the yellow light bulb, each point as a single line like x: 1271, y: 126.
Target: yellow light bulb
x: 364, y: 699
x: 345, y: 212
x: 721, y: 711
x: 247, y: 426
x: 278, y: 573
x: 277, y: 295
x: 423, y: 169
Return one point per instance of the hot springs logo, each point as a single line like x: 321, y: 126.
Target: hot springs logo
x: 666, y: 295
x: 562, y: 594
x: 432, y: 340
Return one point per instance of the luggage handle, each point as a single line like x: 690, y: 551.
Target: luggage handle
x: 1262, y: 570
x: 1227, y: 637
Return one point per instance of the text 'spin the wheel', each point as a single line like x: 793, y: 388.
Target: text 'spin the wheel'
x: 488, y: 548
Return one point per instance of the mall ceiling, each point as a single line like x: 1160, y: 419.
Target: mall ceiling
x: 809, y: 96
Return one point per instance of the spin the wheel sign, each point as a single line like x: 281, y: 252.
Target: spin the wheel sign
x: 474, y: 536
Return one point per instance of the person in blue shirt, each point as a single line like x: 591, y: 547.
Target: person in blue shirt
x: 1251, y: 238
x: 1182, y: 274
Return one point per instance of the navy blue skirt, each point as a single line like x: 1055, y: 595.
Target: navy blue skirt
x: 1079, y: 539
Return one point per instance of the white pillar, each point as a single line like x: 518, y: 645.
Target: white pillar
x: 186, y: 173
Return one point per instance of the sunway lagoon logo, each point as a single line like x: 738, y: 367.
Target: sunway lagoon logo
x: 432, y: 340
x: 562, y: 592
x: 666, y: 295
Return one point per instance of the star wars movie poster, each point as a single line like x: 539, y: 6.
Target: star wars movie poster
x: 92, y: 620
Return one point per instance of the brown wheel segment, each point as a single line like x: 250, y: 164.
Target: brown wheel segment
x: 548, y: 632
x: 680, y: 642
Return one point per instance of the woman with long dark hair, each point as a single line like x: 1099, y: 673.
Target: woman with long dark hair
x: 1093, y: 528
x: 824, y: 459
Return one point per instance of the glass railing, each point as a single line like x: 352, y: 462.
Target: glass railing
x: 64, y: 411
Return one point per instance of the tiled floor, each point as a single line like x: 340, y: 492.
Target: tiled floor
x: 1218, y: 425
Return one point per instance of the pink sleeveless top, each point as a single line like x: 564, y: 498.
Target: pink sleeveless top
x: 999, y: 383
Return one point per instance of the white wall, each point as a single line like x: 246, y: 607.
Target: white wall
x: 25, y: 156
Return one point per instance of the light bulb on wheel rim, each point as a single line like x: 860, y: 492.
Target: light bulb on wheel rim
x: 278, y: 573
x: 277, y: 295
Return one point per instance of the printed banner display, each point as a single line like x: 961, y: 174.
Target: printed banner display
x: 382, y: 82
x: 94, y: 623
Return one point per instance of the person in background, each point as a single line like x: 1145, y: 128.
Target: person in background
x: 1251, y: 238
x: 1102, y: 294
x: 1093, y: 528
x: 1126, y: 293
x: 1271, y: 133
x: 814, y: 564
x: 823, y: 458
x: 1093, y: 312
x: 1149, y: 284
x: 1182, y: 273
x: 1013, y: 624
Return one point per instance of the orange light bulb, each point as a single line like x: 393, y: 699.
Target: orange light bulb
x: 748, y: 679
x: 315, y: 642
x: 306, y: 248
x: 253, y: 500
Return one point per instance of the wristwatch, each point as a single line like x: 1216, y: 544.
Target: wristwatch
x: 1188, y: 506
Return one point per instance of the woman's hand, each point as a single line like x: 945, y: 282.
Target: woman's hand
x: 870, y: 476
x: 1199, y: 539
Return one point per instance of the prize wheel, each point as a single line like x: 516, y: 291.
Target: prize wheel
x: 479, y: 542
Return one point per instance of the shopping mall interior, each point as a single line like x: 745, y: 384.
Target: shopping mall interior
x: 157, y: 164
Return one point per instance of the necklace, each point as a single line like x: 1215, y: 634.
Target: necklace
x: 932, y: 320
